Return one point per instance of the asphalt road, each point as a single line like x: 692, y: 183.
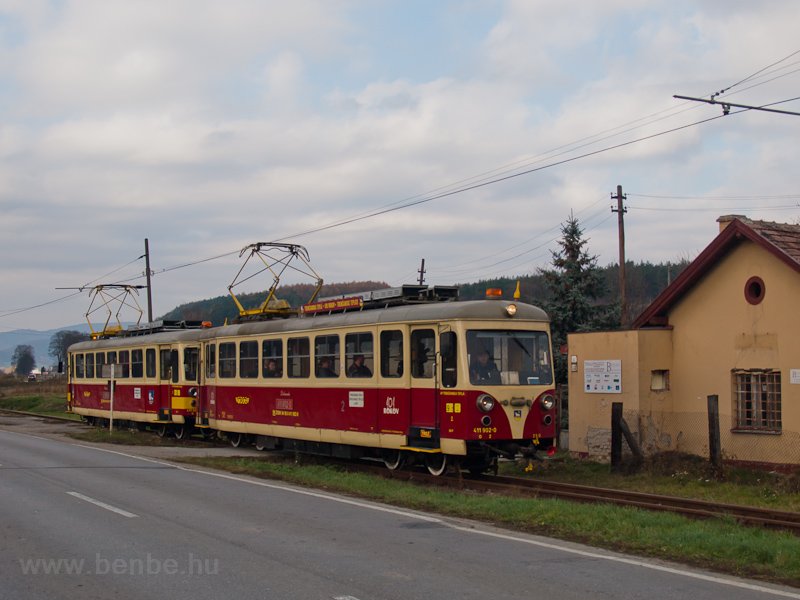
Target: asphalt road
x: 81, y: 522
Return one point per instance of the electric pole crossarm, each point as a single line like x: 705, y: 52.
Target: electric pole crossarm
x: 726, y: 106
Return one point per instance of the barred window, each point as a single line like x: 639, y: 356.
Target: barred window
x: 757, y: 394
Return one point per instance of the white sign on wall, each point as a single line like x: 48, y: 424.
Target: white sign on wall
x: 602, y: 376
x: 794, y: 376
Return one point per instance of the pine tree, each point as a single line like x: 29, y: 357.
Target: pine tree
x: 575, y: 285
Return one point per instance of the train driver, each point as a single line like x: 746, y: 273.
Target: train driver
x: 483, y: 369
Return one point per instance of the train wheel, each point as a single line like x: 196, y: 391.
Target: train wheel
x: 436, y: 463
x: 180, y: 432
x: 236, y: 439
x: 394, y: 459
x: 161, y: 431
x: 261, y: 444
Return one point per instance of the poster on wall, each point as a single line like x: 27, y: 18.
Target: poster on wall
x: 602, y: 376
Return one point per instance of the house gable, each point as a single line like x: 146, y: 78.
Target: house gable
x: 780, y: 240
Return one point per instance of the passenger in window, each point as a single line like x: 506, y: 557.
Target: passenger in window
x: 324, y: 368
x: 358, y: 368
x: 272, y: 369
x: 483, y: 369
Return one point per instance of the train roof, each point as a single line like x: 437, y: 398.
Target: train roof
x: 470, y: 310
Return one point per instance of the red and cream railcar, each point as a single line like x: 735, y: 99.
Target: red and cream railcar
x: 464, y: 382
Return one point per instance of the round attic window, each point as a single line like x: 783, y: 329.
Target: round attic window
x: 754, y: 290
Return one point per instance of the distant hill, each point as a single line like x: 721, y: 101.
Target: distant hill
x: 220, y: 308
x: 645, y: 282
x: 39, y: 340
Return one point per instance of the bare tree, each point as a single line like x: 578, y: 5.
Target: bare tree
x: 62, y: 340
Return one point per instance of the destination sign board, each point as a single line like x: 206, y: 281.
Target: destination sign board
x: 333, y: 305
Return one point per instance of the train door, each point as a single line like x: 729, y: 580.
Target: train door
x: 168, y: 373
x: 394, y: 393
x: 424, y: 424
x: 205, y: 372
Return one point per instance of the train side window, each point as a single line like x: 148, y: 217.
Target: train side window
x: 125, y: 363
x: 359, y: 354
x: 136, y: 364
x: 79, y: 366
x: 89, y: 366
x: 248, y: 360
x: 150, y: 362
x: 191, y: 360
x: 326, y: 355
x: 166, y: 365
x: 298, y: 359
x: 391, y: 353
x: 227, y: 360
x: 211, y: 361
x: 423, y: 353
x: 99, y: 361
x: 272, y: 351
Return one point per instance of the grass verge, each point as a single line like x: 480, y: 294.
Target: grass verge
x: 48, y: 404
x: 720, y: 545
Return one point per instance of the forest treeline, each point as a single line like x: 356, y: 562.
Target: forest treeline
x: 645, y: 281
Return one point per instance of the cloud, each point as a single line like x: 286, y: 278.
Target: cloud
x: 207, y: 126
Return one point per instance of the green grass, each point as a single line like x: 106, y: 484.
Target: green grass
x: 719, y: 544
x: 40, y: 403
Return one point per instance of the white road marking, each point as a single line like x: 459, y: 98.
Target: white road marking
x: 510, y: 537
x: 345, y: 598
x: 114, y: 509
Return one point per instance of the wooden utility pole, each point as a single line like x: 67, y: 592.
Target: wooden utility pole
x: 422, y: 272
x: 147, y: 273
x: 621, y: 210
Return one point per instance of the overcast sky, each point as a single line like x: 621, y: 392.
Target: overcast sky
x: 206, y: 126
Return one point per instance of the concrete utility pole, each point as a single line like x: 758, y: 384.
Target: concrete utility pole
x: 422, y: 272
x: 621, y: 210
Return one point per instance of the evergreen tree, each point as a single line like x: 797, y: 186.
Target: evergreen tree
x: 575, y: 285
x: 23, y: 359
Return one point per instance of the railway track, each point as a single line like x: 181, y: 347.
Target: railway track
x: 689, y: 507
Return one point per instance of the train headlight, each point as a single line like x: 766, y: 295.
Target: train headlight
x: 193, y: 392
x: 548, y: 402
x: 511, y: 310
x: 485, y: 403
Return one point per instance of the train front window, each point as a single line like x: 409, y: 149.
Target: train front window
x: 509, y: 357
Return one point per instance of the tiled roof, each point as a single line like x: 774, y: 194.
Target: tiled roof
x: 784, y: 236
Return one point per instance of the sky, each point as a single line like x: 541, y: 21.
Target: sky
x: 475, y: 127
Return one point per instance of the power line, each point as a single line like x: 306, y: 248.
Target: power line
x: 725, y: 90
x: 717, y: 208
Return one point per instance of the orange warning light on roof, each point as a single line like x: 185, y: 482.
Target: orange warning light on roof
x: 494, y: 293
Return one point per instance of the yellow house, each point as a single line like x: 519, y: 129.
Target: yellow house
x: 727, y: 326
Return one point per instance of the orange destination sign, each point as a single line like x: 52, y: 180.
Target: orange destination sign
x: 331, y: 305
